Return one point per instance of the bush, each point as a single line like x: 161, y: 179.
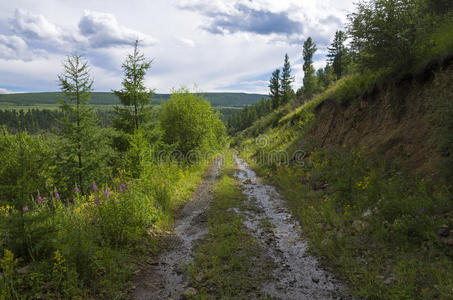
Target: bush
x: 190, y: 123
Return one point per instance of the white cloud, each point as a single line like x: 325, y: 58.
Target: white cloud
x: 103, y: 30
x: 35, y: 38
x: 36, y: 27
x: 12, y: 47
x: 5, y: 91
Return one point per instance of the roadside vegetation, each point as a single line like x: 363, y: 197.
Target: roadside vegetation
x: 79, y: 206
x: 381, y: 217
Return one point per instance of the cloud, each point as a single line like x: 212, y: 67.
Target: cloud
x: 12, y: 47
x: 103, y: 30
x: 187, y: 42
x: 242, y: 18
x: 36, y: 27
x: 5, y: 91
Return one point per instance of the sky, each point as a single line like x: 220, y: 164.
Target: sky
x: 205, y: 45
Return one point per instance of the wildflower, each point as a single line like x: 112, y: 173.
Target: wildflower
x: 96, y: 200
x: 117, y: 201
x: 67, y: 204
x: 106, y: 193
x: 123, y: 188
x: 25, y: 208
x: 94, y: 187
x: 421, y: 211
x: 40, y: 200
x: 165, y: 183
x: 76, y: 189
x: 57, y: 196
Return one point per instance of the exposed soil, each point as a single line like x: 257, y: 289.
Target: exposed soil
x: 396, y: 121
x: 164, y: 279
x: 297, y: 275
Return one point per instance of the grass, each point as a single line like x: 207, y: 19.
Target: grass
x: 228, y: 262
x: 374, y: 221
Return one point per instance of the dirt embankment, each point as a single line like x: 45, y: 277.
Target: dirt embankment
x: 397, y: 121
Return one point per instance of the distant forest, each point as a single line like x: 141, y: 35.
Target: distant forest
x: 38, y: 119
x: 105, y: 98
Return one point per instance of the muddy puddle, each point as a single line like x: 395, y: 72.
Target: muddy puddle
x: 297, y: 274
x: 164, y: 279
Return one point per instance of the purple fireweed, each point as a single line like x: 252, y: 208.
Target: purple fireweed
x: 40, y: 200
x: 76, y: 189
x: 57, y: 196
x: 94, y: 187
x: 106, y: 193
x: 96, y: 200
x: 67, y: 204
x: 123, y: 186
x: 25, y: 208
x: 117, y: 201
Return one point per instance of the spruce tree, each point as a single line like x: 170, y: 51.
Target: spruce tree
x: 134, y: 95
x: 78, y: 119
x: 337, y: 53
x: 274, y: 89
x: 309, y: 72
x: 287, y: 91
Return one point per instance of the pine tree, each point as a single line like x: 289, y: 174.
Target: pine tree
x: 286, y: 90
x: 309, y: 72
x: 274, y: 88
x: 337, y: 53
x: 134, y: 93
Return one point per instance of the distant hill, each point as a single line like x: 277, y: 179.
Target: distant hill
x: 105, y: 98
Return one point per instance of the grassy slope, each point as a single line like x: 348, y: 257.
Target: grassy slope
x: 104, y: 98
x: 334, y: 160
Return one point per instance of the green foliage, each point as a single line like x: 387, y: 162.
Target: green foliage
x: 190, y: 124
x: 83, y: 150
x: 134, y: 93
x: 287, y: 92
x: 275, y: 89
x: 246, y: 117
x: 338, y: 56
x: 391, y: 34
x: 309, y: 72
x: 106, y: 99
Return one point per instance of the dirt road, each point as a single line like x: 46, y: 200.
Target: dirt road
x: 295, y: 275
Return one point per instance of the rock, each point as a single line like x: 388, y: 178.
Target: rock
x: 315, y: 280
x: 247, y: 181
x: 190, y: 292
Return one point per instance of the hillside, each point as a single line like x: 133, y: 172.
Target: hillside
x: 368, y: 175
x: 105, y: 98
